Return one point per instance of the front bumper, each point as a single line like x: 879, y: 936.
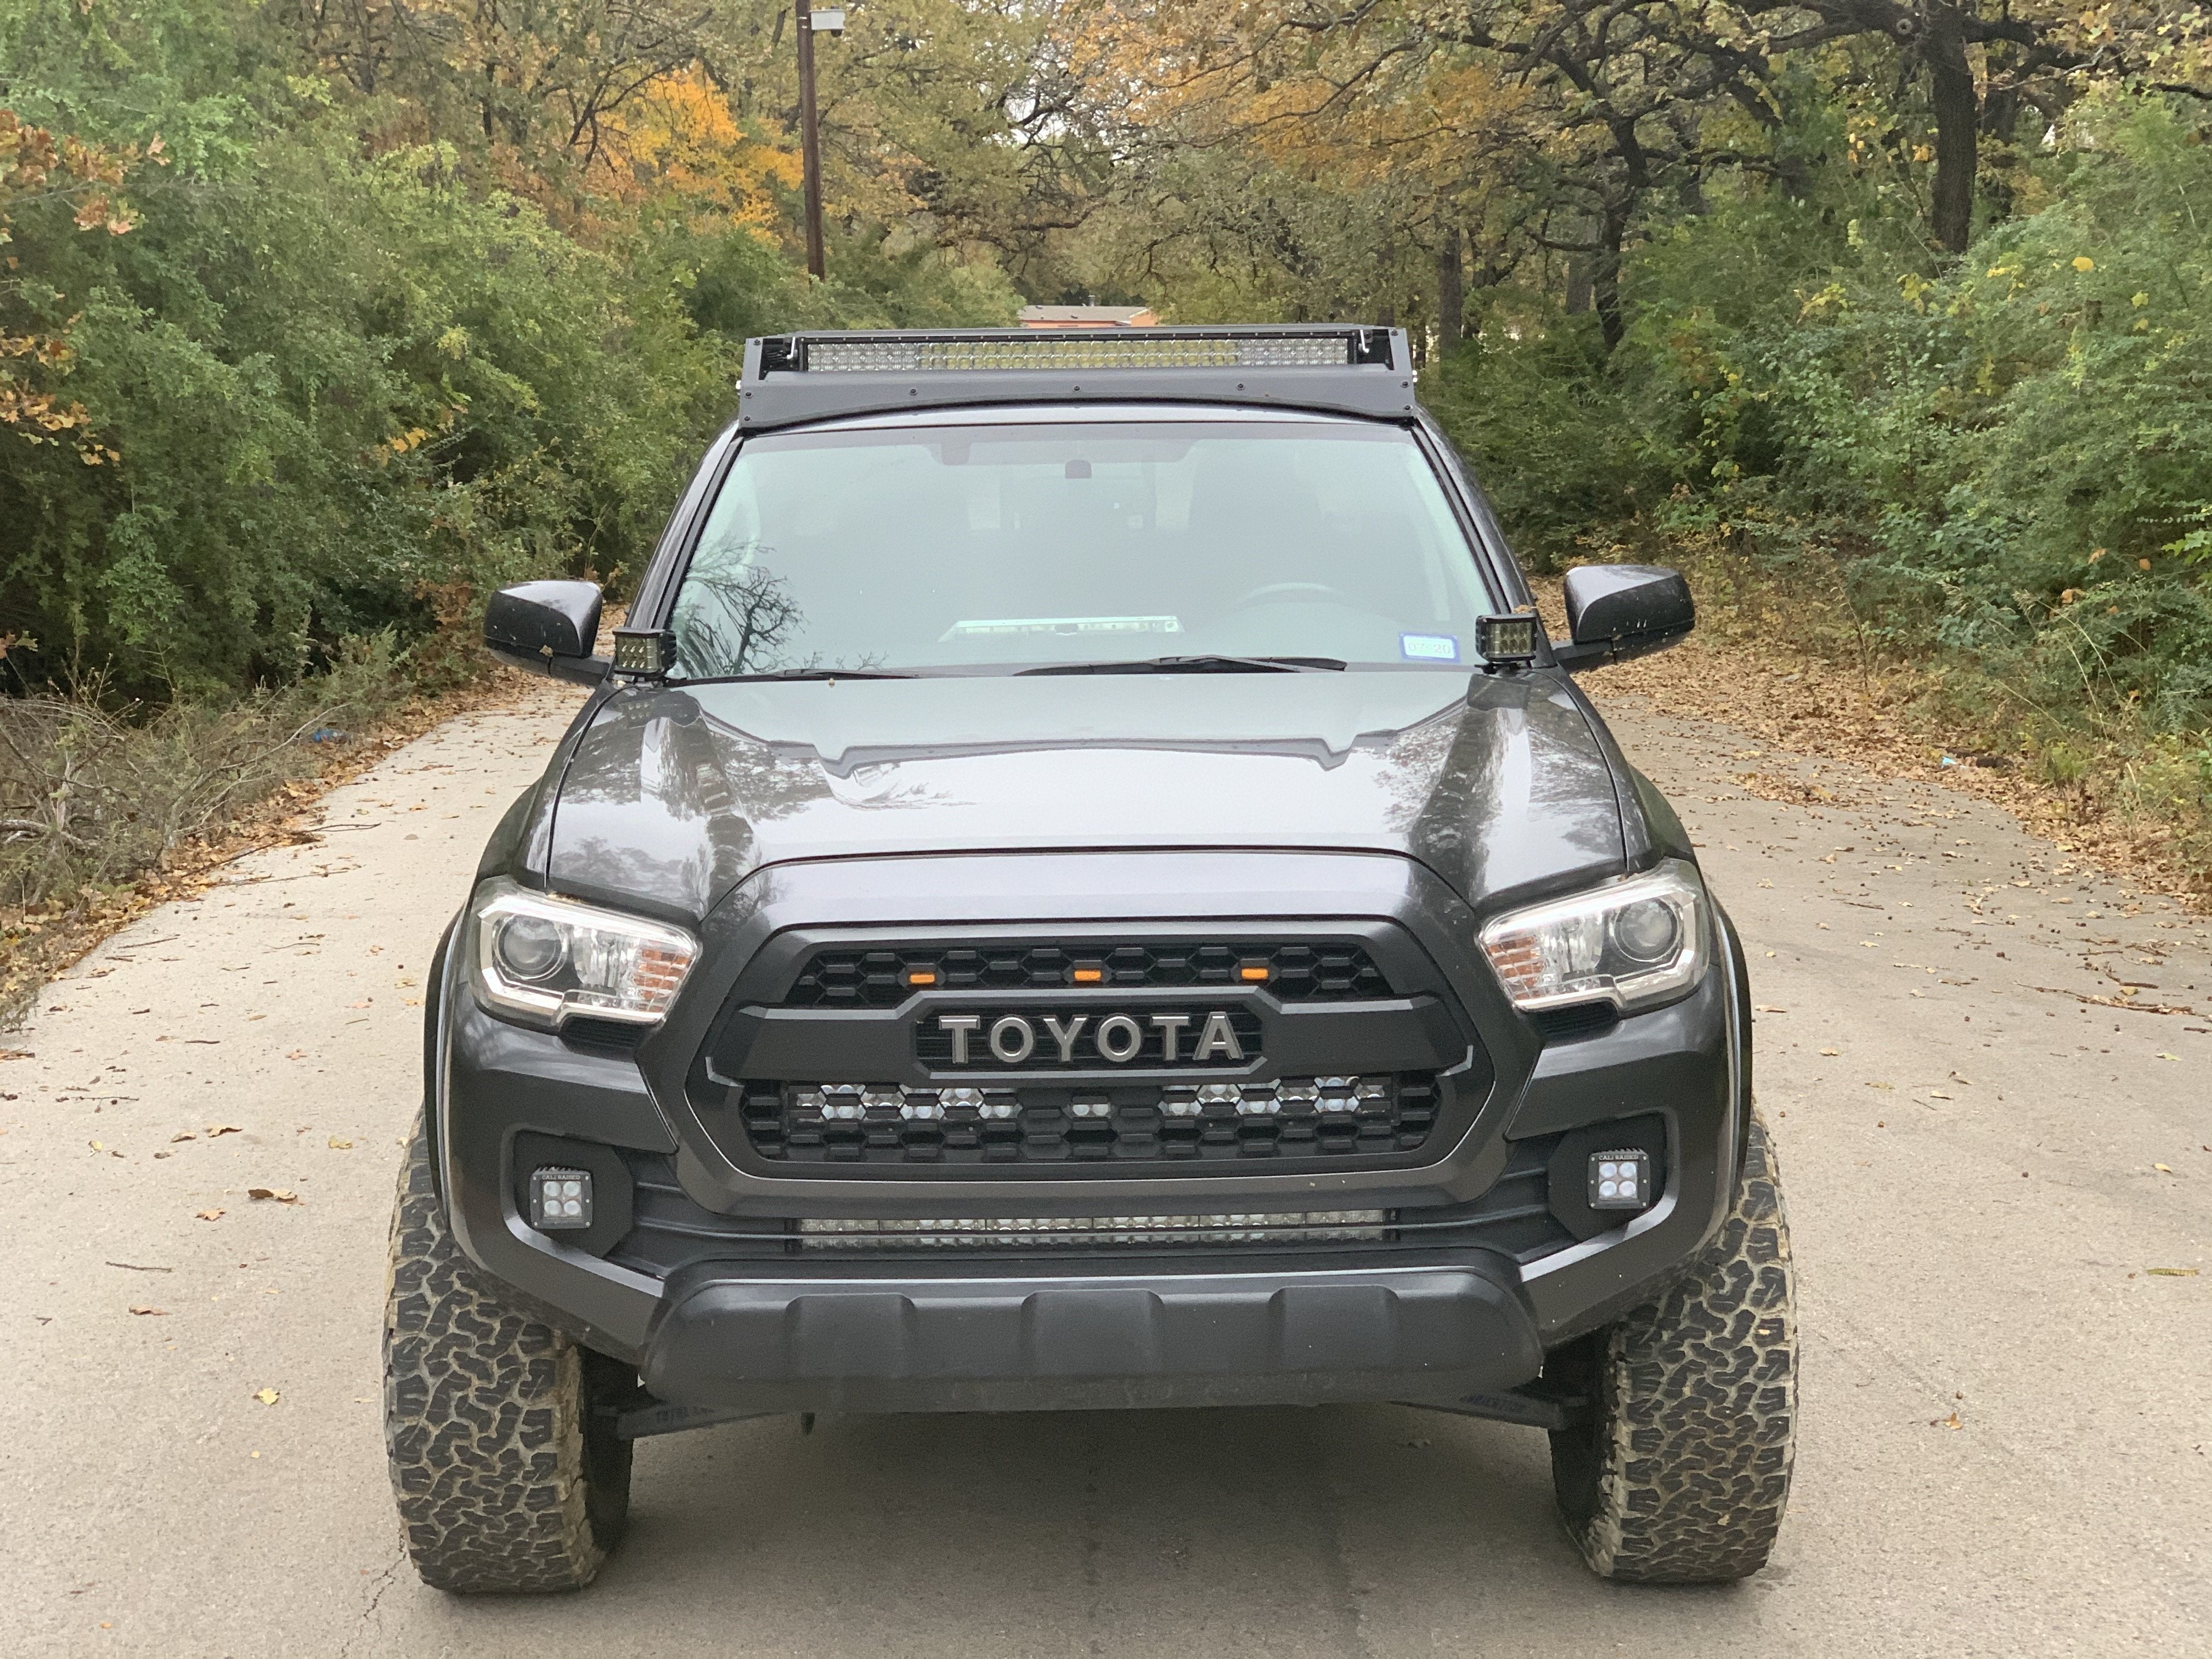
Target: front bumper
x: 771, y: 1326
x: 1175, y: 1334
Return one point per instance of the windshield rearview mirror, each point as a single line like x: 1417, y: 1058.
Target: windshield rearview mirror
x: 548, y: 626
x: 1615, y: 611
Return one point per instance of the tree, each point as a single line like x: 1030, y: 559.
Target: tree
x: 40, y: 172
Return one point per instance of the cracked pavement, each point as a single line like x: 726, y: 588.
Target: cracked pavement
x: 1989, y: 1070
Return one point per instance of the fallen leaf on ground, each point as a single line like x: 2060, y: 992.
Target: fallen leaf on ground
x: 2166, y: 1169
x: 207, y: 1215
x: 16, y: 1054
x: 1937, y: 1094
x: 281, y: 1194
x: 2163, y: 1273
x: 297, y: 1053
x: 267, y: 1397
x: 363, y: 1003
x: 182, y: 1134
x: 164, y: 1310
x: 1950, y: 1422
x: 216, y: 1129
x: 340, y: 1144
x: 1832, y: 1053
x: 1768, y: 1008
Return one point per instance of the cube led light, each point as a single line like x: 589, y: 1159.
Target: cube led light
x: 560, y: 1199
x: 1620, y: 1180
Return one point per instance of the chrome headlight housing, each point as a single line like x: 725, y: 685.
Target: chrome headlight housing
x: 1633, y: 942
x: 543, y: 960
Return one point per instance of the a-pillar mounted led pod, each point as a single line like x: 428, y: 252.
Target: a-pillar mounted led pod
x: 1506, y: 641
x: 644, y: 653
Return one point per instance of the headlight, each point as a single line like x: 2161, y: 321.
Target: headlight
x: 541, y: 959
x: 1631, y: 942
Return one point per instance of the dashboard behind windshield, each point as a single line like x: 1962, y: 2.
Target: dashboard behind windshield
x: 1002, y: 546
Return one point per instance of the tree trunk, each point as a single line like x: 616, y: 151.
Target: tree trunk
x: 1451, y: 293
x: 1578, y: 297
x: 1957, y: 123
x: 1578, y: 284
x: 1605, y: 277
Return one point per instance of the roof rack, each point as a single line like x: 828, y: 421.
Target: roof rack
x: 1345, y: 367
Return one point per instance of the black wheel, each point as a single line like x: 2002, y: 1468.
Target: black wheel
x: 1681, y: 1474
x: 506, y: 1478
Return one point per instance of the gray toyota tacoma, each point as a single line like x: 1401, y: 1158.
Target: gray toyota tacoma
x: 1084, y: 883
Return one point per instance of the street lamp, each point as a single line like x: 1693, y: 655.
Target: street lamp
x: 831, y: 21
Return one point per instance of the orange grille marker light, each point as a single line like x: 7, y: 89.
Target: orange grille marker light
x: 1251, y: 973
x: 1089, y: 976
x: 921, y: 976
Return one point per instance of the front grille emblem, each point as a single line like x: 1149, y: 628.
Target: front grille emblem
x: 1022, y: 1040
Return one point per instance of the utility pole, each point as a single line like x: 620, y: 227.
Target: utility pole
x: 809, y: 133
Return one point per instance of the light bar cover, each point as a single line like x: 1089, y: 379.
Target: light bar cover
x: 1085, y: 349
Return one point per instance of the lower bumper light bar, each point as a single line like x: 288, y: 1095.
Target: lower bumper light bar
x: 1296, y: 1227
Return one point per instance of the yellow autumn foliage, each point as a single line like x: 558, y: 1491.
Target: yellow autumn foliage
x: 679, y: 136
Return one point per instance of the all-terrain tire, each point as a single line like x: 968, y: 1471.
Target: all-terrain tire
x: 1682, y: 1473
x: 505, y: 1479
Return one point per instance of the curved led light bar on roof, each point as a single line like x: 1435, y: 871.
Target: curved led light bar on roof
x: 1044, y: 350
x: 790, y: 379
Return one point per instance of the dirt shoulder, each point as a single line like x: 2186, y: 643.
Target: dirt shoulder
x: 39, y: 942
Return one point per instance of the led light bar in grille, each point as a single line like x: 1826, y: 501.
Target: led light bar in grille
x: 1335, y: 350
x: 1038, y: 1120
x: 1298, y: 1227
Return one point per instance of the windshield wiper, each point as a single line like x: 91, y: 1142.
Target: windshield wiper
x: 1206, y: 665
x: 804, y: 674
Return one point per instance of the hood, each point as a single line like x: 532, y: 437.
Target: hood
x: 674, y: 795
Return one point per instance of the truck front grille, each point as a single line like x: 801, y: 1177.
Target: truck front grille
x: 1324, y: 1117
x: 886, y: 977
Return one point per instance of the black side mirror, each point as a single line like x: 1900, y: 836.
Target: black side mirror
x: 1615, y: 611
x: 548, y: 626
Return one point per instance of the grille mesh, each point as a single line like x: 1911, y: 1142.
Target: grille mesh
x: 878, y: 978
x: 1326, y: 1117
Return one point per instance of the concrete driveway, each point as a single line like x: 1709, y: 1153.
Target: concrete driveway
x: 1997, y: 1161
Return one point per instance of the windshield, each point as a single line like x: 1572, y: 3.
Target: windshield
x: 974, y: 548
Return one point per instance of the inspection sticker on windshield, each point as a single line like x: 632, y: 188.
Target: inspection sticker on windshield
x: 1429, y: 647
x: 1017, y: 625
